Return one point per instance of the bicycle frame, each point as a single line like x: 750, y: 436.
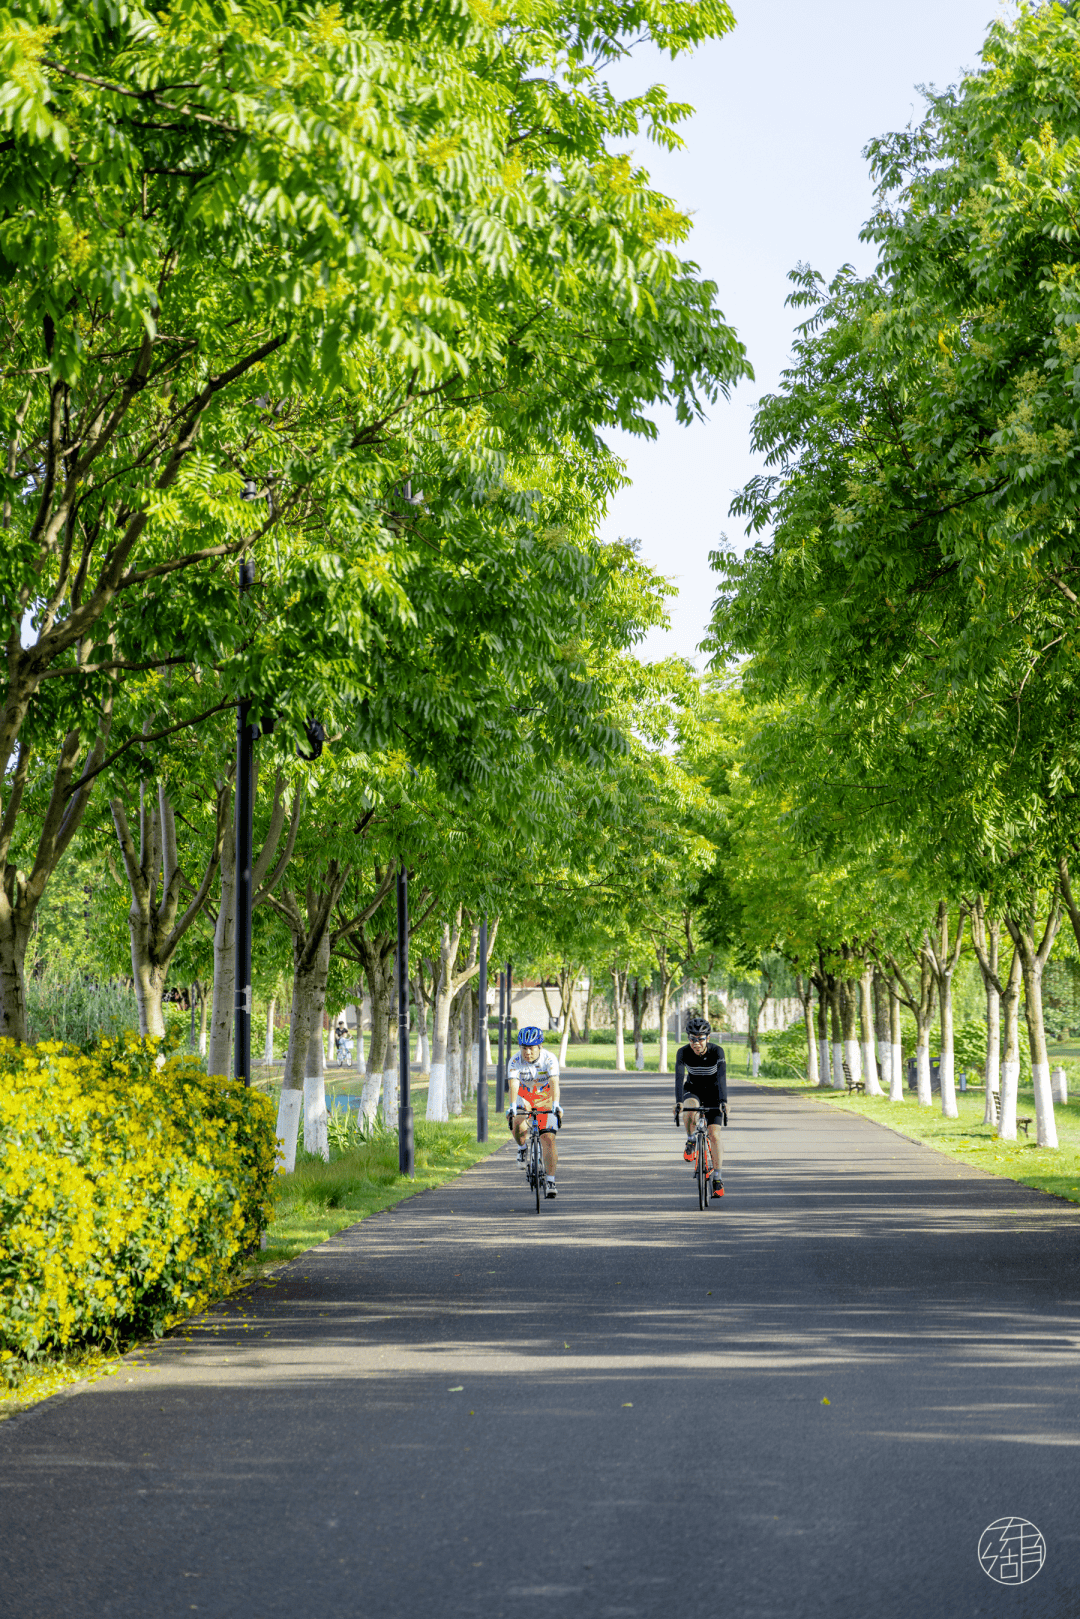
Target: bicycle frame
x: 534, y: 1157
x: 703, y: 1164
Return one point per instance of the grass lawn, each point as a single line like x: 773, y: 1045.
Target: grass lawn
x: 604, y: 1056
x: 965, y: 1138
x: 318, y: 1199
x: 310, y: 1205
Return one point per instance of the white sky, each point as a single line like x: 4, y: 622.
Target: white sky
x: 772, y: 173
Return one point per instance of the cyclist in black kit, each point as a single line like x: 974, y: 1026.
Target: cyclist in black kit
x: 701, y: 1077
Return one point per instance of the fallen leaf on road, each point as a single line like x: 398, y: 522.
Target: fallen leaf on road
x: 628, y: 1404
x: 825, y: 1400
x: 459, y: 1390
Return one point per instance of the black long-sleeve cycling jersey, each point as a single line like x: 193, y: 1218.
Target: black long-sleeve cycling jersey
x: 704, y: 1075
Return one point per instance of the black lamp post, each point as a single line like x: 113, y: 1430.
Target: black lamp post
x: 500, y: 1069
x: 509, y: 1015
x: 481, y: 1056
x: 406, y: 1141
x: 245, y: 809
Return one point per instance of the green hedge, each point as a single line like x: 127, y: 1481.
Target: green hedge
x: 130, y: 1187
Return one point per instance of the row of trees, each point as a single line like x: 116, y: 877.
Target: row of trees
x: 898, y: 648
x: 348, y: 299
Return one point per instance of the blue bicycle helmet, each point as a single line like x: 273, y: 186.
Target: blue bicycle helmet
x: 530, y: 1036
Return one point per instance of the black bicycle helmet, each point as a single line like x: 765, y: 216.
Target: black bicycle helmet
x: 698, y: 1028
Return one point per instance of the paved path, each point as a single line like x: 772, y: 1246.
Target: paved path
x: 460, y: 1408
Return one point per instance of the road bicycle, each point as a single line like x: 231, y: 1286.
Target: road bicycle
x: 703, y: 1160
x: 535, y: 1173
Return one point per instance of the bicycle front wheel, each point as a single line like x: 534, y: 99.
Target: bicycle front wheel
x: 702, y: 1178
x: 537, y: 1174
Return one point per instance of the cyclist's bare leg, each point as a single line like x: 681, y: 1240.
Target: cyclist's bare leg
x: 521, y: 1129
x: 690, y: 1119
x: 551, y: 1154
x: 716, y: 1148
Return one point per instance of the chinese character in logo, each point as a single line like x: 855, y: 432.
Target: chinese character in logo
x: 1011, y: 1550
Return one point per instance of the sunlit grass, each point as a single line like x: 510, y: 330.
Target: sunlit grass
x: 319, y: 1199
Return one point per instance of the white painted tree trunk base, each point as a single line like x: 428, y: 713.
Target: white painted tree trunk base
x: 823, y: 1063
x: 639, y: 1056
x: 1045, y: 1124
x: 949, y: 1108
x: 869, y: 1068
x: 453, y: 1083
x: 316, y: 1139
x: 922, y: 1061
x: 424, y: 1057
x: 389, y: 1098
x: 1059, y: 1086
x: 436, y: 1096
x: 755, y: 1064
x: 896, y: 1074
x: 287, y: 1129
x: 837, y: 1066
x: 1010, y: 1078
x: 369, y: 1099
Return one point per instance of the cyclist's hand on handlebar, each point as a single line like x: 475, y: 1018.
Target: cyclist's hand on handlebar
x: 675, y: 1114
x: 557, y: 1110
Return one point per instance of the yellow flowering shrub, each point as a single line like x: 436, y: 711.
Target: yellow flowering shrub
x: 128, y: 1190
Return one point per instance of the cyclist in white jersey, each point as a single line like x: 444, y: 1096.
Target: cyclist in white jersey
x: 533, y: 1077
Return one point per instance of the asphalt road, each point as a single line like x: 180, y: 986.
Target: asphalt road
x: 612, y: 1408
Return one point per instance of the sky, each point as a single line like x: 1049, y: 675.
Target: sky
x: 772, y: 174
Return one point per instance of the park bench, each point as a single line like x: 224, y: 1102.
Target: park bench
x: 1022, y: 1123
x: 852, y: 1084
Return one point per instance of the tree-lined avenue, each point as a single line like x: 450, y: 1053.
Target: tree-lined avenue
x: 612, y: 1408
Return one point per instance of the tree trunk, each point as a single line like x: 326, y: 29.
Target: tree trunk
x: 806, y: 998
x: 923, y: 1012
x: 358, y: 1052
x: 377, y: 1044
x: 203, y: 1013
x: 866, y: 1010
x: 586, y: 1031
x: 1010, y: 1065
x: 849, y: 1012
x: 618, y: 988
x: 882, y: 1049
x: 268, y: 1049
x: 896, y: 1056
x: 453, y: 1061
x: 1045, y: 1124
x: 390, y: 1058
x: 638, y: 999
x: 923, y: 1075
x: 837, y: 1033
x: 823, y: 1031
x: 992, y: 1069
x: 155, y: 881
x: 468, y: 1063
x: 223, y: 1012
x: 943, y: 959
x: 310, y: 971
x: 1033, y: 957
x: 665, y: 1006
x: 423, y: 1052
x: 436, y: 1106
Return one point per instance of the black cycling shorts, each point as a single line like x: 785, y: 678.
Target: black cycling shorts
x: 713, y: 1115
